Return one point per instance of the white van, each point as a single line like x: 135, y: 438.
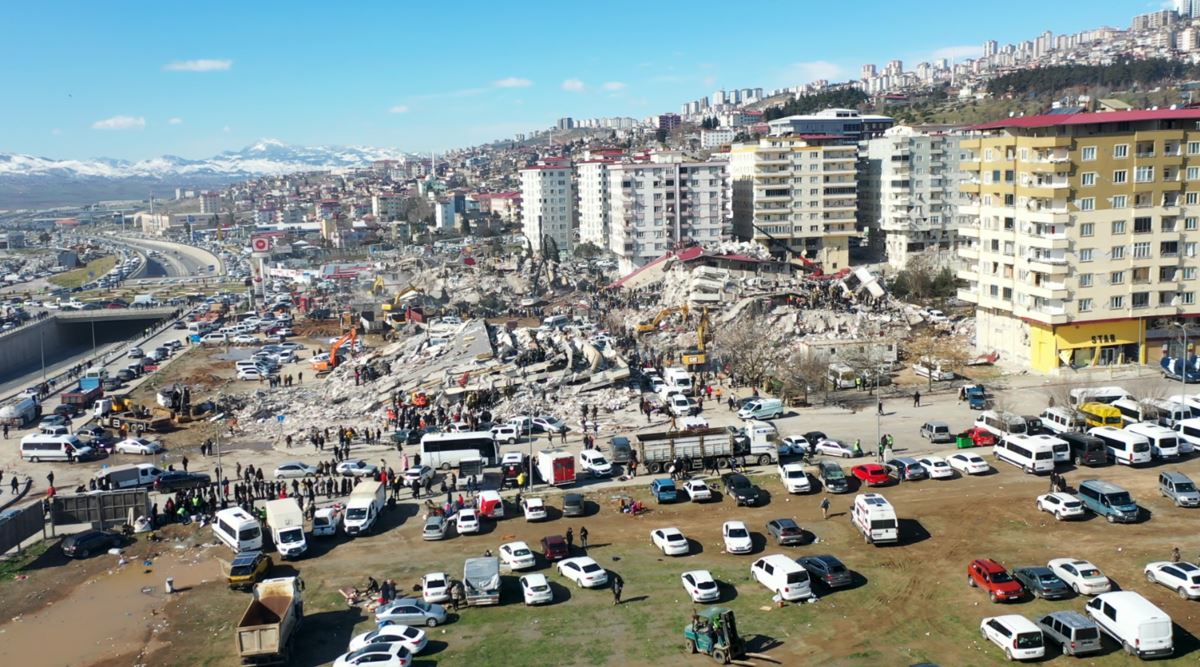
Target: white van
x: 782, y: 575
x: 1164, y: 443
x: 1097, y: 395
x: 1061, y: 420
x: 841, y: 376
x: 1026, y: 453
x: 1133, y: 622
x: 1017, y: 635
x: 1171, y: 411
x: 875, y: 518
x: 1060, y: 447
x: 1123, y: 446
x: 762, y: 408
x: 1001, y: 424
x: 363, y: 508
x: 1189, y: 434
x: 42, y: 447
x: 680, y: 379
x: 236, y: 529
x: 555, y: 322
x: 1135, y: 412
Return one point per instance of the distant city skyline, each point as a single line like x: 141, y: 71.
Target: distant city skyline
x: 145, y: 80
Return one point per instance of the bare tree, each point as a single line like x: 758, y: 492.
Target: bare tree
x: 800, y: 373
x: 748, y: 349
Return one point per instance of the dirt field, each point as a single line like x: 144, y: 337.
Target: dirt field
x: 910, y: 603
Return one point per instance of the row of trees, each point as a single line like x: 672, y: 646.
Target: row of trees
x: 1056, y: 78
x: 842, y: 98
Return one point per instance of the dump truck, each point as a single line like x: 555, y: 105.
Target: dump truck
x: 481, y: 581
x: 265, y: 633
x: 82, y: 397
x: 657, y: 451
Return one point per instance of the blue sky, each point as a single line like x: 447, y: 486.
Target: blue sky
x: 136, y: 80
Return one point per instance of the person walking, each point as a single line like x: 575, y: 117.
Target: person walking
x: 917, y: 399
x: 570, y: 539
x: 617, y: 587
x: 184, y: 462
x: 880, y: 403
x: 825, y: 508
x: 583, y: 535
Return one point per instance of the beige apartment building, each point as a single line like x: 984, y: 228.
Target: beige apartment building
x: 1080, y: 233
x: 800, y: 190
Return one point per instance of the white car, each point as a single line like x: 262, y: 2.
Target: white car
x: 377, y: 655
x: 700, y: 585
x: 1083, y: 577
x: 517, y: 555
x: 138, y: 446
x: 937, y: 467
x: 356, y: 467
x: 793, y: 444
x: 794, y: 479
x: 534, y: 509
x: 697, y: 490
x: 1183, y: 578
x: 550, y: 424
x: 536, y: 589
x: 467, y: 521
x: 1019, y: 638
x: 411, y: 638
x: 592, y: 461
x: 214, y: 338
x: 968, y: 464
x: 506, y: 433
x: 418, y: 474
x: 834, y: 448
x: 135, y: 353
x: 245, y: 339
x: 670, y: 541
x: 435, y: 587
x: 584, y: 571
x: 737, y: 537
x: 251, y: 374
x: 1061, y: 505
x: 294, y: 469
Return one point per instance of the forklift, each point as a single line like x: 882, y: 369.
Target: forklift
x: 713, y: 631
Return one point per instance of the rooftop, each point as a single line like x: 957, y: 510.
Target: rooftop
x: 1053, y: 120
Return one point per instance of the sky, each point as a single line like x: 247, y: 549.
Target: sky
x: 136, y: 80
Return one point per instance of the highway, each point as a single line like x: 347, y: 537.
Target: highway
x: 178, y: 259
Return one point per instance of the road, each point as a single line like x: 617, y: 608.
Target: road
x: 178, y: 259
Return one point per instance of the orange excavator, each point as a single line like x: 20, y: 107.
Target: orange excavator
x: 322, y: 366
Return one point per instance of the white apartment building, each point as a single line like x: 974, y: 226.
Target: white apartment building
x: 716, y: 137
x: 210, y: 202
x: 593, y: 201
x: 443, y: 215
x: 657, y: 206
x: 548, y: 206
x: 798, y: 191
x: 909, y: 192
x: 387, y: 206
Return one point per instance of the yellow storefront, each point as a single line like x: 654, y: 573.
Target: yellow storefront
x: 1088, y: 344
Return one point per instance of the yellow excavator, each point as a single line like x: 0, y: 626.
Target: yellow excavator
x: 378, y: 286
x: 647, y: 327
x: 394, y: 311
x: 698, y: 356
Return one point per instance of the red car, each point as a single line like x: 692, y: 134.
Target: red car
x: 871, y: 474
x: 554, y: 547
x: 991, y: 576
x: 980, y: 436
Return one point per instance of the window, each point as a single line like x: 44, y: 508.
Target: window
x: 1193, y: 173
x: 1116, y: 278
x: 1118, y: 227
x: 1085, y: 280
x: 1087, y: 229
x: 1120, y: 176
x: 1088, y: 153
x: 1117, y: 252
x: 1189, y: 273
x: 1141, y: 299
x: 1087, y: 204
x: 1141, y: 250
x: 1120, y: 151
x: 1116, y: 302
x: 1189, y: 198
x: 1167, y: 224
x: 1085, y: 305
x: 1087, y: 179
x: 1009, y: 176
x: 1166, y: 274
x: 1141, y: 275
x: 1119, y: 201
x: 1193, y: 148
x: 1142, y: 225
x: 1189, y: 249
x: 1187, y: 298
x: 1085, y: 254
x: 1143, y: 175
x: 1169, y: 248
x: 1191, y: 224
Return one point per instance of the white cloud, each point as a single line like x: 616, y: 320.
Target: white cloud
x: 399, y: 108
x: 512, y: 82
x: 175, y: 121
x: 958, y: 52
x: 573, y: 85
x: 120, y: 123
x: 203, y: 65
x: 805, y: 72
x: 226, y: 129
x: 56, y: 132
x: 614, y: 85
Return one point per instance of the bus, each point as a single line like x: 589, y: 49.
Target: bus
x: 446, y: 450
x: 1101, y: 414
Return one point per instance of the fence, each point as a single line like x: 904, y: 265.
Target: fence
x: 103, y: 510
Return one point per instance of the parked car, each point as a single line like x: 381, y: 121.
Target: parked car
x: 466, y: 522
x: 549, y: 424
x: 794, y: 479
x: 435, y: 528
x: 357, y: 467
x: 670, y: 541
x: 534, y: 509
x: 871, y: 474
x: 583, y: 572
x: 697, y: 490
x: 411, y: 638
x: 936, y: 466
x: 937, y: 431
x: 517, y: 556
x: 410, y: 611
x: 138, y: 446
x: 700, y: 586
x: 1062, y: 505
x: 554, y: 547
x: 828, y: 570
x: 1075, y: 633
x: 294, y: 469
x: 906, y: 469
x: 1083, y: 577
x: 834, y: 448
x: 89, y: 542
x: 435, y: 587
x: 421, y: 473
x: 785, y: 532
x: 663, y: 490
x: 736, y: 537
x: 248, y: 568
x: 738, y: 487
x: 1182, y: 577
x: 968, y: 464
x: 1041, y: 582
x: 535, y: 589
x: 178, y: 480
x: 833, y: 478
x: 574, y: 504
x: 1017, y: 635
x: 991, y: 576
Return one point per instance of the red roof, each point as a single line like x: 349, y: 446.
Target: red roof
x: 1052, y: 120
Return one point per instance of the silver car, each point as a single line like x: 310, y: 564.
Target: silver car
x: 435, y: 528
x: 410, y: 611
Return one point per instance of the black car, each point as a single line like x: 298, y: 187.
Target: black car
x: 785, y: 532
x: 833, y: 477
x: 738, y: 487
x: 179, y: 325
x: 573, y: 504
x: 113, y: 384
x: 95, y: 435
x: 126, y: 375
x: 1042, y: 582
x: 82, y: 545
x: 815, y: 437
x: 828, y: 570
x: 175, y: 480
x: 67, y: 410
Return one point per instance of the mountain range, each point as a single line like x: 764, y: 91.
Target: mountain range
x: 33, y: 181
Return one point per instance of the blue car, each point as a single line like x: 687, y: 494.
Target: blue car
x: 664, y: 490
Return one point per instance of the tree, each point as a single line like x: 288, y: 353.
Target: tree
x: 660, y: 135
x: 746, y: 351
x: 587, y: 250
x: 799, y: 373
x: 928, y: 348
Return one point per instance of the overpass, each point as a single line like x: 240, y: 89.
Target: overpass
x: 115, y: 314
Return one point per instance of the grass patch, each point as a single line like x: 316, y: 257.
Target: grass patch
x: 77, y: 277
x: 11, y: 567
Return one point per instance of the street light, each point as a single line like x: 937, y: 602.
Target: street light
x: 1183, y: 369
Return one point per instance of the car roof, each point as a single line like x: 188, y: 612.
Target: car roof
x: 1072, y: 618
x: 554, y: 539
x: 699, y: 574
x: 579, y: 560
x: 246, y: 557
x: 535, y: 577
x: 827, y: 559
x: 988, y: 564
x: 783, y: 522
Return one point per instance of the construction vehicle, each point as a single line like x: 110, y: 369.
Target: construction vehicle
x: 697, y: 357
x: 266, y: 630
x: 378, y: 286
x: 713, y: 631
x: 399, y: 312
x: 647, y: 327
x: 322, y: 366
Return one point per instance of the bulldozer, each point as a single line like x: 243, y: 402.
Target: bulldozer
x: 713, y: 631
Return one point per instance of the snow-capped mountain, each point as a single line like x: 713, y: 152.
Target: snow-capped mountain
x: 267, y: 157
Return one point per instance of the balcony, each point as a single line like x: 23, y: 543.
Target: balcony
x: 968, y: 252
x: 970, y: 165
x: 1046, y: 290
x: 1051, y: 265
x: 968, y: 274
x: 968, y: 295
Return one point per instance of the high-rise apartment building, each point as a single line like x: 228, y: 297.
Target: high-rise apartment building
x: 1082, y: 233
x: 909, y: 192
x: 594, y: 202
x: 548, y: 206
x: 210, y: 202
x: 800, y: 190
x: 387, y: 206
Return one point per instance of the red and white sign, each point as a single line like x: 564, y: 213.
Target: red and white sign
x: 260, y: 244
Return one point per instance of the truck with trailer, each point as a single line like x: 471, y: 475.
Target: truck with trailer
x: 657, y: 451
x: 481, y: 581
x: 265, y: 633
x: 556, y: 467
x: 84, y: 398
